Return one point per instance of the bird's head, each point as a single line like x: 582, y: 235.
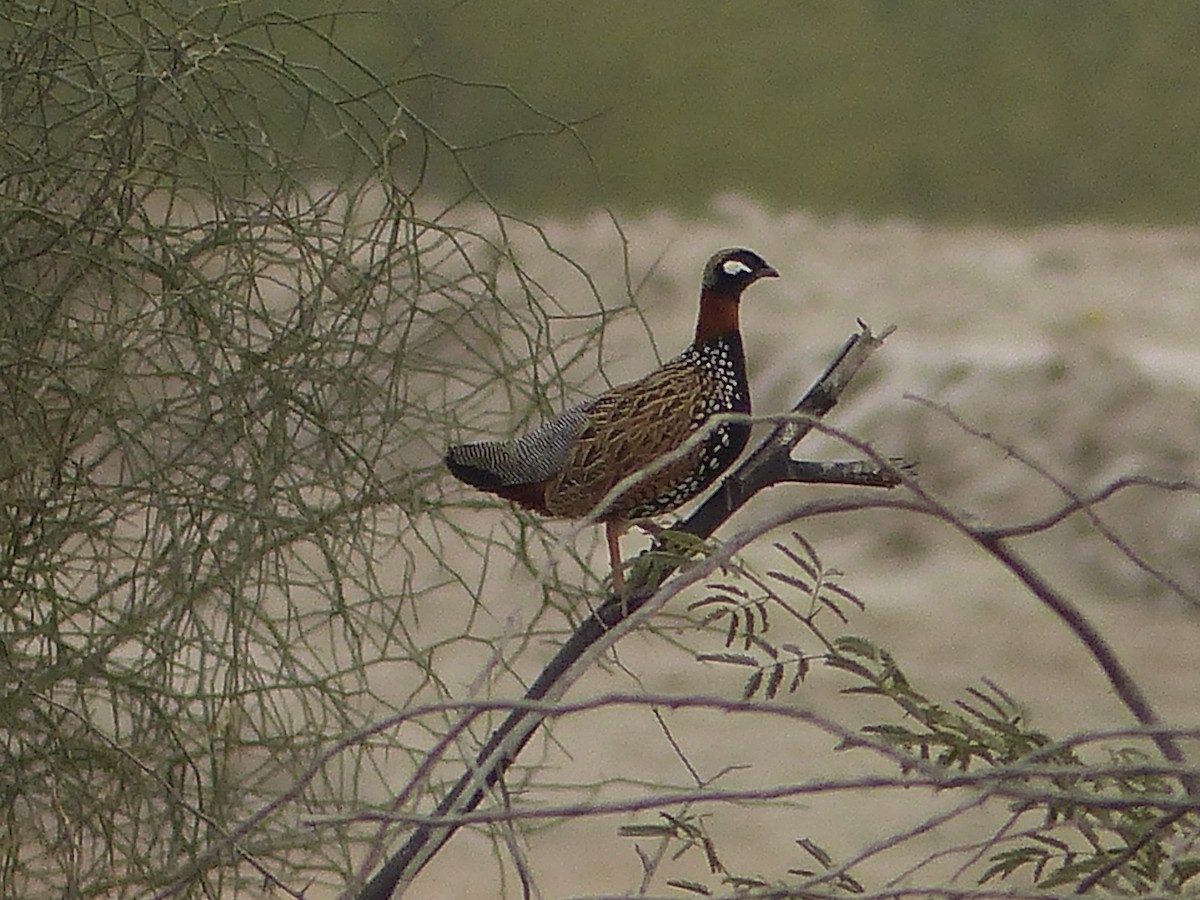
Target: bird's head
x: 729, y: 272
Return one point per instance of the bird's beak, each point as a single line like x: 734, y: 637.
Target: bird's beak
x: 767, y: 272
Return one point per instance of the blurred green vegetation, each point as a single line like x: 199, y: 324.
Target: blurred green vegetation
x: 954, y: 110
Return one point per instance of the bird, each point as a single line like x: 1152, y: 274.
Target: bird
x: 566, y: 467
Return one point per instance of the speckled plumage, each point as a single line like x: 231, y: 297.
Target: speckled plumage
x: 632, y: 425
x: 568, y: 465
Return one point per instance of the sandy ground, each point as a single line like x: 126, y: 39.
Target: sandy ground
x: 1076, y: 344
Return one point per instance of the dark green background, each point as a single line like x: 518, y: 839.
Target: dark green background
x: 1056, y: 110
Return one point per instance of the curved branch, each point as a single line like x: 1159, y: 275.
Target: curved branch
x: 1077, y: 502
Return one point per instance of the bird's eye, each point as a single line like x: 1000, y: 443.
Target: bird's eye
x: 735, y: 267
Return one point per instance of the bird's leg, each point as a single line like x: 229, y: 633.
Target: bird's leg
x: 614, y: 530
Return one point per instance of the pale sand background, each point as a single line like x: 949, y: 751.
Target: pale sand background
x: 1077, y: 344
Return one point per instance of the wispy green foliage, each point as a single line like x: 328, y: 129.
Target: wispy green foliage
x: 1084, y: 822
x: 224, y: 387
x: 745, y: 614
x: 986, y: 728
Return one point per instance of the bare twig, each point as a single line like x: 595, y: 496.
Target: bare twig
x: 1078, y: 502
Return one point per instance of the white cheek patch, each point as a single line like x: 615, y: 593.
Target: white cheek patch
x: 735, y: 267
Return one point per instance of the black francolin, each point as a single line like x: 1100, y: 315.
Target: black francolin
x: 569, y: 464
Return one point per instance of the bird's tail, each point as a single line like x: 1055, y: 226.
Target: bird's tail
x: 486, y: 465
x: 534, y: 457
